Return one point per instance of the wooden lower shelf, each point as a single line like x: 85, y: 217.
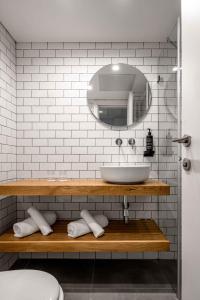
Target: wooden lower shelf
x: 136, y: 236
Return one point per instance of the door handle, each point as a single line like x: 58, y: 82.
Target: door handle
x: 185, y: 140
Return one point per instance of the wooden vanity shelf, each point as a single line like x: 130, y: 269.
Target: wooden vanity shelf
x: 80, y: 187
x: 138, y: 235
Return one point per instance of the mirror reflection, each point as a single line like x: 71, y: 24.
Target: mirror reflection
x: 119, y: 95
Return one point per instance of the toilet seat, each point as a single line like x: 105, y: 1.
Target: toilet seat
x: 29, y: 285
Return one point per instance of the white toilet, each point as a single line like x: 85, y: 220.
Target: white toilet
x: 29, y: 285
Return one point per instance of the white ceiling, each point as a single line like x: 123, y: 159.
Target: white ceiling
x: 89, y: 20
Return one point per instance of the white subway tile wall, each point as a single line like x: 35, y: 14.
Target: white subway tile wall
x: 7, y: 134
x: 58, y: 137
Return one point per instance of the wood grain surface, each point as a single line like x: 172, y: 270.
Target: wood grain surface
x: 137, y: 235
x: 79, y: 187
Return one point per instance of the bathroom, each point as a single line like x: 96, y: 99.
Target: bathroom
x: 71, y: 148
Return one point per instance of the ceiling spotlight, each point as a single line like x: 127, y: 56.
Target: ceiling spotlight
x: 89, y: 87
x: 115, y: 67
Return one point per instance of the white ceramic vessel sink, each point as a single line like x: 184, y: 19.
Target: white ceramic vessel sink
x: 125, y: 173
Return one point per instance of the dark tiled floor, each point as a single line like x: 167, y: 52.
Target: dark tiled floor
x: 108, y: 275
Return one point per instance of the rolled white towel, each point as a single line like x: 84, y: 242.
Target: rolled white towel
x: 92, y: 224
x: 80, y: 227
x: 28, y: 226
x: 38, y: 218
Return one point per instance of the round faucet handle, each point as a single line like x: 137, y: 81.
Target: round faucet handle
x: 118, y: 142
x: 131, y: 142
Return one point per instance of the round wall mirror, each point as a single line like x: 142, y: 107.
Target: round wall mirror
x: 119, y: 95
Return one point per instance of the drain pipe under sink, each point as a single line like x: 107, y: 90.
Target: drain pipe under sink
x: 125, y: 209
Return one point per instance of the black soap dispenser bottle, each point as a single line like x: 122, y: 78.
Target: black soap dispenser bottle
x: 149, y: 144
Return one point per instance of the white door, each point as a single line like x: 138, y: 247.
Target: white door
x: 191, y: 126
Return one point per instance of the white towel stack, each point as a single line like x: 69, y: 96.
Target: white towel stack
x: 87, y: 224
x: 36, y: 222
x: 39, y: 219
x: 43, y: 221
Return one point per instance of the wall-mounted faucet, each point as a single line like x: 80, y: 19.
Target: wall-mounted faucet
x: 118, y: 142
x: 131, y: 142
